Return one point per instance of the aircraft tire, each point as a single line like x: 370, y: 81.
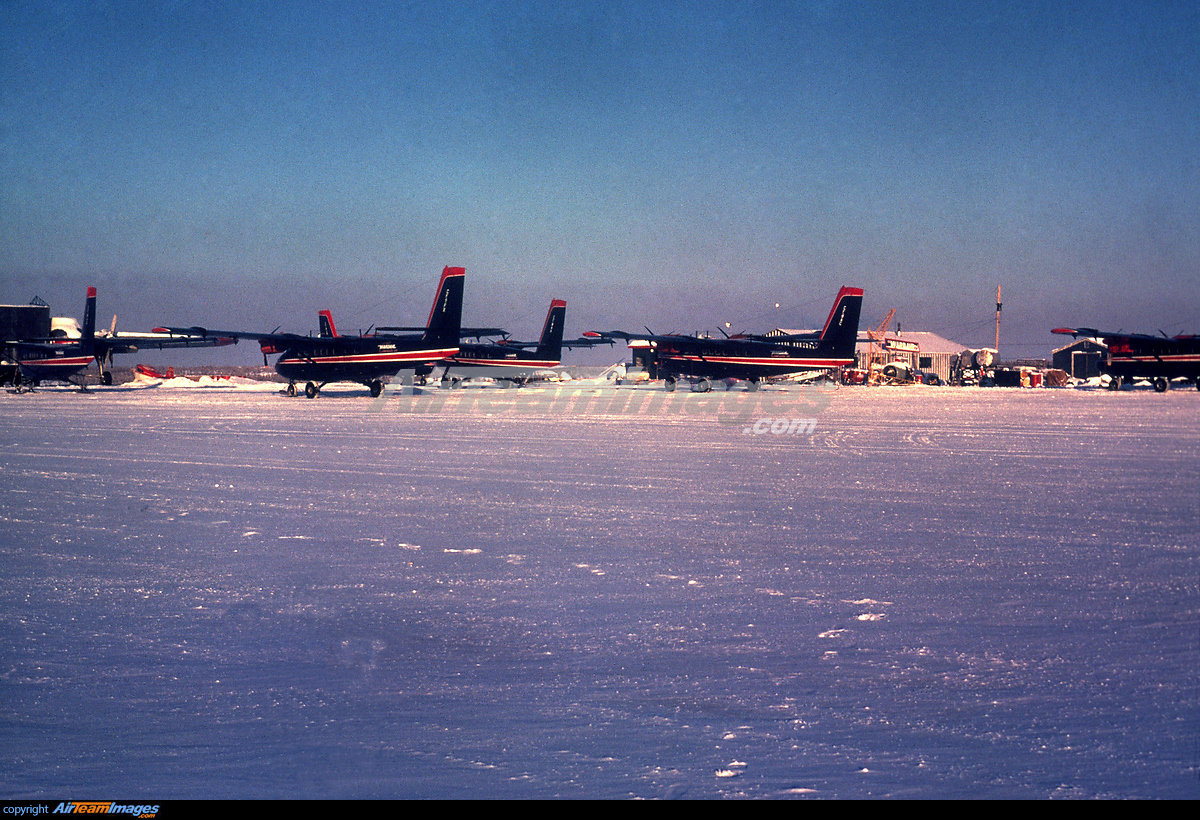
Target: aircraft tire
x: 106, y: 379
x: 1161, y: 385
x: 290, y: 390
x: 669, y: 383
x: 376, y: 387
x: 311, y: 390
x: 703, y: 386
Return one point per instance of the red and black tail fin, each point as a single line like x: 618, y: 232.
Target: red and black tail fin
x: 840, y: 334
x: 445, y: 317
x: 328, y: 329
x: 550, y: 344
x: 87, y: 339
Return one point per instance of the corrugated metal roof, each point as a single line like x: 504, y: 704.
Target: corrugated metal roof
x: 929, y: 342
x: 1082, y: 344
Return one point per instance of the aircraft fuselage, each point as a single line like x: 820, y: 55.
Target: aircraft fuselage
x: 39, y: 366
x: 733, y: 359
x: 763, y: 357
x: 1142, y: 356
x: 363, y: 361
x: 496, y: 362
x: 1148, y: 357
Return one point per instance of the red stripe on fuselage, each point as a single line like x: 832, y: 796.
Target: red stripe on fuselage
x: 514, y: 363
x: 769, y: 362
x: 80, y: 361
x: 372, y: 358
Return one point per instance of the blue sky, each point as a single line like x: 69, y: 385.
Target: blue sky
x: 671, y: 164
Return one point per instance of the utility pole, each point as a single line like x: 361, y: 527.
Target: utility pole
x: 998, y: 304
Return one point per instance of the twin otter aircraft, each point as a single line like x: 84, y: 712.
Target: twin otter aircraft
x: 1142, y: 356
x: 511, y: 360
x: 60, y: 358
x: 753, y: 358
x: 368, y: 360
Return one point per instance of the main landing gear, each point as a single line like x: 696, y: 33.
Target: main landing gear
x: 312, y: 390
x: 701, y: 386
x: 704, y: 384
x: 1161, y: 384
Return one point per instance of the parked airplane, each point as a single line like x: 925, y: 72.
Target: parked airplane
x: 369, y: 359
x: 512, y: 360
x: 751, y: 357
x: 67, y: 352
x: 1132, y: 356
x: 40, y: 360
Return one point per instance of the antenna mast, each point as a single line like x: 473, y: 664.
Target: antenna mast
x: 998, y: 305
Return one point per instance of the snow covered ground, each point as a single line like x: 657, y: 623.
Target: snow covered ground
x: 926, y: 592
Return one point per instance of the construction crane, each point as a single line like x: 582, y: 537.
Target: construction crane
x: 875, y: 351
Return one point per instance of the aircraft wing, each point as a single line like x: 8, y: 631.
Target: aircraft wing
x: 463, y: 332
x: 275, y: 342
x: 210, y: 334
x: 676, y: 339
x: 159, y: 339
x: 776, y: 339
x: 616, y: 334
x: 42, y: 345
x: 582, y: 341
x: 1092, y: 333
x: 587, y: 341
x: 269, y: 342
x: 1076, y: 332
x: 204, y: 332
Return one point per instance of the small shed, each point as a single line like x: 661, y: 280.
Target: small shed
x: 1080, y: 359
x: 24, y: 322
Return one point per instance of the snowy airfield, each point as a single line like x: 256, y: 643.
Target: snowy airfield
x: 575, y: 591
